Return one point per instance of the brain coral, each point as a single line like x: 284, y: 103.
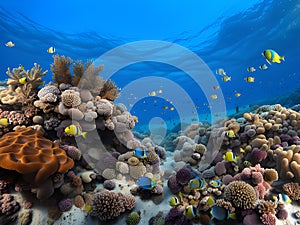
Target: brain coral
x: 29, y: 153
x: 70, y: 98
x: 240, y: 194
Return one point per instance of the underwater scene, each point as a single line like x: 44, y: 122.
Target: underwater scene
x: 150, y: 112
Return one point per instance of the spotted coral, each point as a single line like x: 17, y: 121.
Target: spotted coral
x: 133, y: 218
x: 240, y: 194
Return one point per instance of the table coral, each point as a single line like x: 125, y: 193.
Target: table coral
x: 29, y: 153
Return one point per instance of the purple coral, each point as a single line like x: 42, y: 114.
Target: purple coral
x: 65, y: 205
x: 174, y: 186
x: 282, y: 214
x: 72, y: 151
x: 258, y: 155
x: 109, y: 184
x: 176, y: 217
x: 220, y: 168
x: 183, y: 176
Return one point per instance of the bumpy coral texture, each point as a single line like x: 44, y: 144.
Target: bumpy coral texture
x: 292, y: 190
x: 133, y: 218
x: 70, y: 98
x: 268, y: 219
x: 8, y: 204
x: 109, y: 205
x: 29, y: 153
x: 240, y: 194
x: 183, y: 176
x: 48, y: 93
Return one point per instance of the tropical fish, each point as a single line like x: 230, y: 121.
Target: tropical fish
x: 190, y: 212
x: 272, y: 56
x: 197, y: 183
x: 221, y: 72
x: 51, y: 50
x: 237, y: 94
x: 172, y: 108
x: 140, y: 153
x: 215, y: 183
x: 10, y: 44
x: 220, y: 213
x: 214, y: 96
x: 230, y: 133
x: 165, y: 107
x: 21, y: 67
x: 152, y: 93
x: 75, y: 130
x: 216, y: 87
x: 174, y: 201
x: 159, y: 91
x: 210, y: 201
x: 251, y: 69
x: 230, y: 157
x: 247, y: 163
x: 283, y: 198
x: 263, y: 67
x: 242, y: 150
x: 4, y: 122
x: 146, y: 183
x: 226, y: 79
x: 249, y: 79
x: 23, y: 80
x: 88, y: 208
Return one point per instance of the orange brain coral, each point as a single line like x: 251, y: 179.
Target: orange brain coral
x: 29, y: 153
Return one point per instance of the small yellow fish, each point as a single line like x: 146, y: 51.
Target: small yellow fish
x: 272, y: 56
x: 165, y: 107
x: 152, y: 93
x: 237, y: 94
x: 4, y: 122
x: 214, y: 96
x: 23, y: 80
x: 230, y: 157
x: 172, y: 108
x: 230, y: 134
x: 51, y: 50
x: 159, y: 91
x: 88, y: 208
x: 174, y: 201
x: 21, y: 67
x: 249, y: 79
x: 221, y: 72
x: 74, y: 130
x: 10, y: 44
x: 226, y: 79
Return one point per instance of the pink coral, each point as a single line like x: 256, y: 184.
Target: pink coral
x: 268, y: 219
x: 246, y: 174
x: 258, y: 156
x: 257, y: 178
x: 261, y: 190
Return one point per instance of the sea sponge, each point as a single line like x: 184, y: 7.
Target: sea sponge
x: 133, y: 218
x: 109, y: 205
x: 292, y: 190
x: 34, y: 156
x: 270, y: 175
x: 240, y: 194
x: 267, y: 207
x: 104, y: 107
x: 70, y: 98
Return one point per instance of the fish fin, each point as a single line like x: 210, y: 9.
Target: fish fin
x: 282, y: 58
x: 232, y: 216
x: 268, y: 62
x: 84, y: 134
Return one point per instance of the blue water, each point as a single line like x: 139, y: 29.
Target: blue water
x: 229, y: 34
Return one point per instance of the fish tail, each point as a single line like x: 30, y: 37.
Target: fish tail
x: 84, y: 134
x: 232, y: 216
x: 282, y: 58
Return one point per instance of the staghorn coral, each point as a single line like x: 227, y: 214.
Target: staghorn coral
x: 292, y: 190
x: 267, y: 207
x: 109, y: 90
x: 29, y: 153
x: 60, y: 69
x: 109, y: 205
x: 240, y: 194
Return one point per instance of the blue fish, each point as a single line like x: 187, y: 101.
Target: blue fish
x: 215, y: 183
x: 197, y: 183
x: 190, y: 212
x: 283, y: 198
x: 220, y: 213
x: 146, y: 183
x: 140, y: 153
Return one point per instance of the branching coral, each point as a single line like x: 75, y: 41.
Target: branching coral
x: 267, y: 207
x: 109, y: 90
x: 292, y: 190
x: 61, y: 69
